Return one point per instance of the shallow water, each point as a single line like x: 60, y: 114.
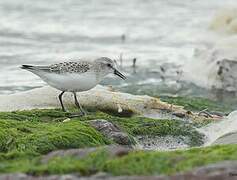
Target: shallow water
x: 163, y: 32
x: 161, y: 143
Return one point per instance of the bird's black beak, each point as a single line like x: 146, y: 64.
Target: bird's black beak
x: 116, y: 72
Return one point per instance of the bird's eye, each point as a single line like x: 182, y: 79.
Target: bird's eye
x: 109, y: 65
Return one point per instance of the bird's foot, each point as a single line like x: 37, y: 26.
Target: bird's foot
x: 74, y: 115
x: 83, y: 113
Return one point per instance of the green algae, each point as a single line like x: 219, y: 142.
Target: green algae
x: 45, y: 137
x: 36, y: 115
x: 159, y: 127
x: 27, y: 135
x: 135, y: 163
x: 154, y: 127
x: 147, y: 163
x: 44, y: 124
x: 198, y: 104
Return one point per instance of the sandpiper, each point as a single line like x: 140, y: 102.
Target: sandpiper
x: 76, y: 76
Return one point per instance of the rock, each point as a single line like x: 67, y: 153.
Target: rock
x: 230, y: 138
x: 17, y: 176
x: 179, y: 114
x: 226, y: 170
x: 111, y: 131
x: 218, y: 168
x: 220, y: 129
x: 100, y: 175
x: 78, y: 153
x: 223, y: 170
x: 225, y: 21
x: 29, y: 177
x: 113, y: 151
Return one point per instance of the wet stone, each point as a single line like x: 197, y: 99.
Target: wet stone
x: 229, y: 138
x: 111, y: 131
x: 179, y: 114
x: 225, y: 170
x: 112, y: 150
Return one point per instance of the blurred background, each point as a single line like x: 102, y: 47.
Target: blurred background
x: 174, y: 47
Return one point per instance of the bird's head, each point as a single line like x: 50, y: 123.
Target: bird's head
x: 107, y: 65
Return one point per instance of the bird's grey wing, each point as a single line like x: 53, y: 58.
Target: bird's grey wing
x: 71, y: 67
x: 62, y: 68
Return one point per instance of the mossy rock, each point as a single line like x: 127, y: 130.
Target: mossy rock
x: 154, y: 127
x: 154, y: 163
x: 44, y: 137
x: 26, y: 135
x: 44, y: 130
x: 135, y: 163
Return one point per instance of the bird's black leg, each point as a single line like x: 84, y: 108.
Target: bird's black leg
x: 78, y: 104
x: 60, y: 99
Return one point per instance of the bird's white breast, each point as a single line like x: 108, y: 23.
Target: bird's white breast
x: 71, y: 81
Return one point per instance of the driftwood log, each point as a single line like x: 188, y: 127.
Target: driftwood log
x: 101, y: 98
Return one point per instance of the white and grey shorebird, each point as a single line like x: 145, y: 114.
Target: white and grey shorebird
x: 75, y: 76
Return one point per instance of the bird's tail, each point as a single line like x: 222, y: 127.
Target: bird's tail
x: 27, y: 67
x: 36, y: 69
